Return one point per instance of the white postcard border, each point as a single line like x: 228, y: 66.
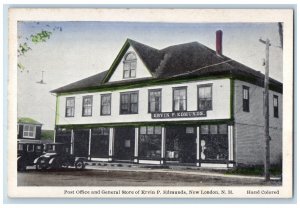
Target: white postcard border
x: 153, y: 15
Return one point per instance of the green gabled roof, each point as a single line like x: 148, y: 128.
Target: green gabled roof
x: 27, y: 120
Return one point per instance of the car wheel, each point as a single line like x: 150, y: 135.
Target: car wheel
x: 65, y: 165
x: 79, y: 165
x: 39, y: 166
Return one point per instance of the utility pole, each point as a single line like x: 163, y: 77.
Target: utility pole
x: 266, y: 113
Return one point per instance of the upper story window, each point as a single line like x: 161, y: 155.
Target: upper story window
x: 205, y: 97
x: 179, y: 99
x: 275, y: 105
x: 70, y: 106
x: 246, y: 103
x: 29, y: 131
x: 87, y: 105
x: 129, y: 103
x: 105, y: 104
x: 129, y: 65
x: 154, y: 103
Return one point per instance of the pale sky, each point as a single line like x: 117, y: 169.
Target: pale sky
x: 83, y: 49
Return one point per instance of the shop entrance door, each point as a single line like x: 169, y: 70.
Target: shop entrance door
x: 181, y: 145
x: 81, y: 142
x: 124, y: 143
x: 99, y: 142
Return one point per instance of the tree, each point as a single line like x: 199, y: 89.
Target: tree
x: 26, y: 44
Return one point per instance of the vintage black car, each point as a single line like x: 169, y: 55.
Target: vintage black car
x: 28, y: 151
x: 56, y: 156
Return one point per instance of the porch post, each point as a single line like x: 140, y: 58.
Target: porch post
x: 163, y: 145
x: 111, y: 144
x: 230, y: 143
x: 136, y: 145
x: 54, y: 136
x: 72, y: 142
x: 90, y: 142
x: 198, y: 146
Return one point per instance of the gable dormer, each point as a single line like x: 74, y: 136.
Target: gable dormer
x: 128, y: 65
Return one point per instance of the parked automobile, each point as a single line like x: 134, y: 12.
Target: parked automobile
x: 27, y: 153
x: 56, y: 156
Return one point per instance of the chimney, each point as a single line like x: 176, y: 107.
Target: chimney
x: 219, y: 34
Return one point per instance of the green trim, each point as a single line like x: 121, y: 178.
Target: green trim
x: 145, y: 83
x: 150, y: 123
x: 232, y: 98
x: 116, y: 61
x: 164, y: 81
x: 119, y: 58
x: 57, y: 110
x: 156, y: 82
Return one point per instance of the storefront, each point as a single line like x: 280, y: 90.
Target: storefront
x: 167, y: 144
x: 150, y: 143
x: 181, y: 144
x: 214, y: 143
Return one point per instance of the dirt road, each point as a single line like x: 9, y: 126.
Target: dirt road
x: 90, y: 177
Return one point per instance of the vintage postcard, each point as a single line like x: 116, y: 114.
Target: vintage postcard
x: 150, y: 103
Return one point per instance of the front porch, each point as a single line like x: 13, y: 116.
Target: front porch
x: 209, y: 146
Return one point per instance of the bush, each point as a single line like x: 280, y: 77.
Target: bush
x: 47, y: 135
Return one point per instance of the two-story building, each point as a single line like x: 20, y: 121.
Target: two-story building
x: 184, y: 104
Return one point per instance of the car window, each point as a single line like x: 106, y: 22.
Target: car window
x: 51, y: 148
x: 30, y: 147
x: 38, y: 148
x: 20, y: 147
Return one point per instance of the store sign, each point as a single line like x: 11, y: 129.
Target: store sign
x: 180, y: 114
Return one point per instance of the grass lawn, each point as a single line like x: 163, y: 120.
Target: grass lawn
x: 253, y: 171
